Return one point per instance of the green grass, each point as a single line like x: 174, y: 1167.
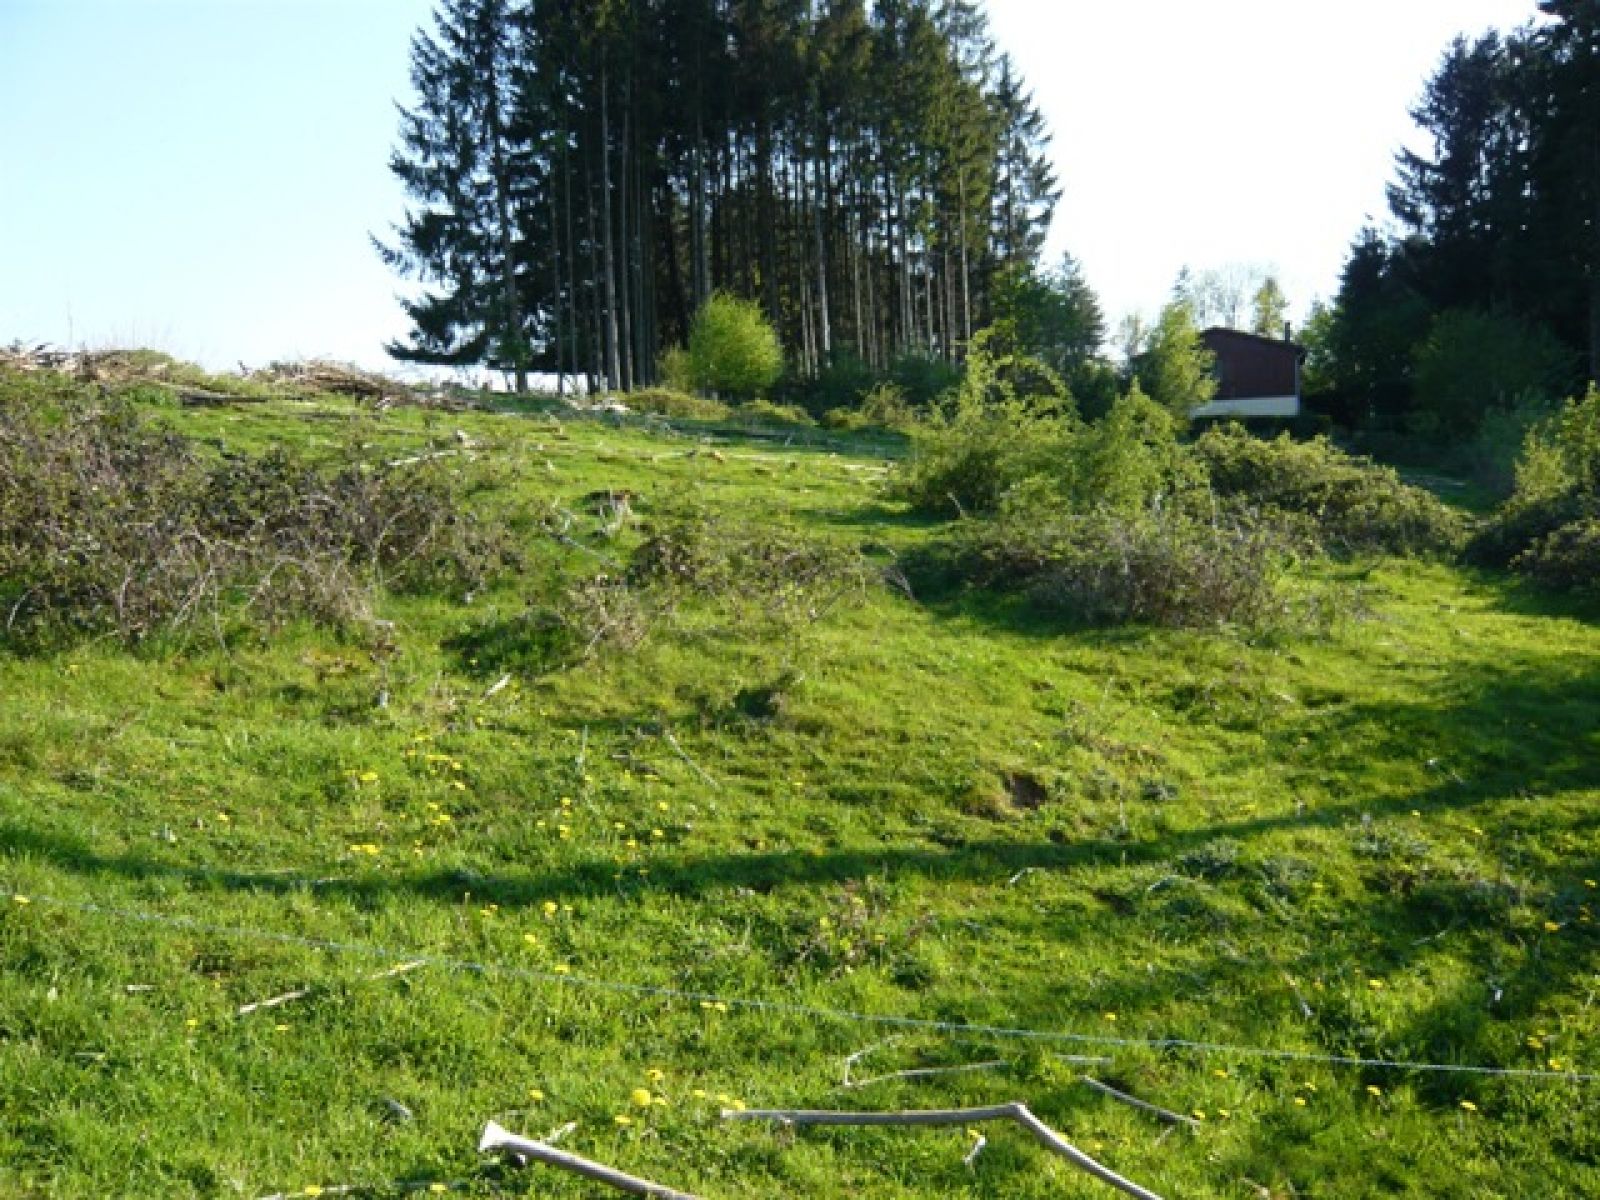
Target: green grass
x: 1374, y: 840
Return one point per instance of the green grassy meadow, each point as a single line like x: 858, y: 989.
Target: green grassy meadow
x: 1375, y: 835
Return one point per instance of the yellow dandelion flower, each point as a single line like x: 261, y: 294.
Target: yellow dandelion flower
x: 1551, y: 927
x: 458, y: 785
x: 438, y: 1189
x: 1590, y: 884
x: 280, y: 1029
x: 632, y: 843
x: 1375, y: 984
x: 623, y: 1119
x: 1108, y: 1016
x: 662, y: 806
x: 564, y: 831
x: 368, y: 777
x: 22, y: 899
x: 551, y: 908
x: 562, y: 969
x: 1224, y: 1113
x: 1198, y: 1114
x: 1374, y: 1090
x: 192, y: 1022
x: 311, y: 1189
x: 1220, y: 1073
x: 618, y: 826
x: 699, y: 1093
x: 535, y: 1095
x: 655, y: 1074
x: 658, y: 834
x: 1299, y: 1101
x: 1469, y: 1106
x: 641, y: 1097
x: 531, y: 939
x: 1555, y: 1064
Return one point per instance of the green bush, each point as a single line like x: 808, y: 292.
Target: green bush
x: 733, y: 349
x: 1567, y: 559
x: 684, y: 406
x: 981, y: 443
x: 1557, y: 486
x: 1341, y: 502
x: 765, y: 412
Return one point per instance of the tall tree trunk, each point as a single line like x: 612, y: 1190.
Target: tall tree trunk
x: 608, y: 237
x: 824, y: 321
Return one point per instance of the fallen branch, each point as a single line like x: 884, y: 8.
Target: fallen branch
x: 998, y: 1064
x: 1167, y: 1115
x: 276, y: 1001
x: 497, y: 1139
x: 245, y: 1010
x: 1015, y: 1112
x: 683, y: 754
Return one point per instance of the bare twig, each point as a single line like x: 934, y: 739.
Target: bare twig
x: 1166, y: 1114
x: 498, y: 686
x: 977, y: 1148
x: 274, y: 1002
x: 672, y: 741
x: 1017, y: 1113
x: 496, y: 1138
x: 998, y: 1064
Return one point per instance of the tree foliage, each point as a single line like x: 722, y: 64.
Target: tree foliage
x: 1498, y: 239
x: 733, y: 350
x: 585, y: 174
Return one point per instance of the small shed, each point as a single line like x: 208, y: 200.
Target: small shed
x: 1256, y: 376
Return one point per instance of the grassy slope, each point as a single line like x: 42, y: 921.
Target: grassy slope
x: 1389, y: 827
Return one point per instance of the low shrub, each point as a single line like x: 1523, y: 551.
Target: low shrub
x: 111, y: 525
x: 765, y: 412
x: 1567, y: 559
x: 1343, y: 503
x: 680, y: 405
x: 1544, y: 528
x: 781, y: 570
x: 982, y: 443
x: 1161, y: 567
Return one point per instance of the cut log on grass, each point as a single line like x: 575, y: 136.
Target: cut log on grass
x: 498, y: 1140
x: 1017, y: 1113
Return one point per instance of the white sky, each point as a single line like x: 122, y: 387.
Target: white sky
x: 202, y: 175
x: 1234, y: 131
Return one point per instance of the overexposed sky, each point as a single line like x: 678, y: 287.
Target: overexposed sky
x: 1232, y: 131
x: 202, y: 175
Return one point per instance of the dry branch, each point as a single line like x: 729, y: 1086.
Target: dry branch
x: 1167, y: 1115
x: 1017, y: 1113
x: 497, y: 1139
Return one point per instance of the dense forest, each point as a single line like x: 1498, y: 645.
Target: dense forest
x: 585, y: 174
x: 1483, y: 296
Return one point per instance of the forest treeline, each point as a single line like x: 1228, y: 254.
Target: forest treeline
x: 585, y: 174
x: 1482, y: 299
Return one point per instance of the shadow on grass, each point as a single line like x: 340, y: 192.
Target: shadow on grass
x: 1523, y: 747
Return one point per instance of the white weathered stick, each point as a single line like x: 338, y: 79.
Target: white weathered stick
x: 977, y: 1149
x: 496, y: 1138
x: 998, y: 1064
x: 274, y: 1002
x: 498, y: 686
x: 1167, y: 1115
x: 1015, y: 1112
x: 684, y: 754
